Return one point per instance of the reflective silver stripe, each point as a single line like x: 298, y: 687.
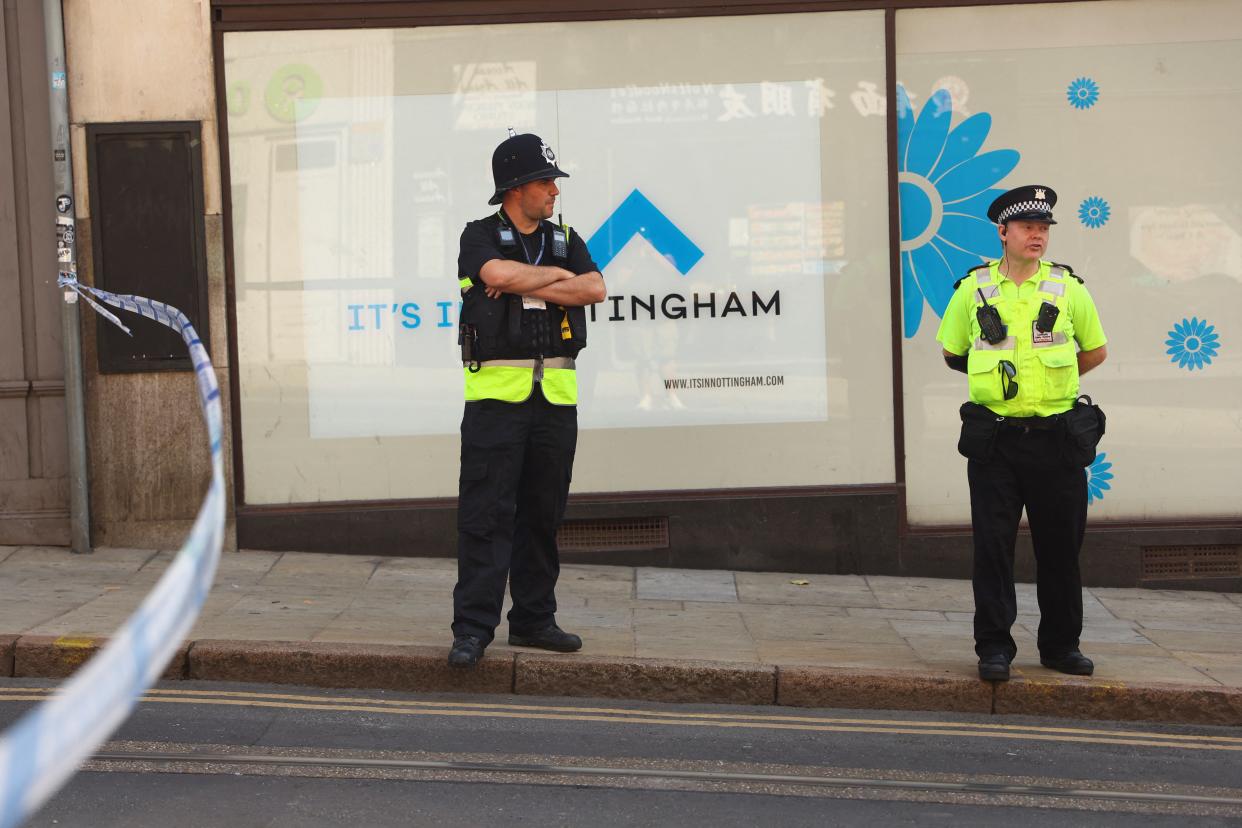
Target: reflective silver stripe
x: 990, y: 290
x: 1058, y: 338
x: 549, y: 362
x: 1055, y: 288
x: 1006, y: 344
x: 1057, y: 272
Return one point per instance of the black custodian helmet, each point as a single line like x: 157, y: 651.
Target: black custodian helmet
x: 519, y: 160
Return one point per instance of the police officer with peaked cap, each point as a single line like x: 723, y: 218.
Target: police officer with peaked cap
x: 1024, y: 329
x: 524, y: 282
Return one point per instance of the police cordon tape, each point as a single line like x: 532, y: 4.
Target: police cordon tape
x: 42, y: 750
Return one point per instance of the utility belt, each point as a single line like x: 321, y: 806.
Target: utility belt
x: 1081, y: 429
x: 538, y: 365
x: 1038, y: 423
x: 493, y: 329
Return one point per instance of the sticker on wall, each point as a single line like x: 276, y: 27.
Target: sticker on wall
x: 1094, y: 212
x: 945, y: 186
x: 1083, y: 93
x: 293, y: 92
x: 1193, y: 343
x: 1098, y: 475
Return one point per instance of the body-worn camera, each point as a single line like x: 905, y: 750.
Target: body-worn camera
x: 1047, y: 319
x: 990, y: 324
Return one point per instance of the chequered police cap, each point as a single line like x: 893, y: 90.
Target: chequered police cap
x: 1033, y: 202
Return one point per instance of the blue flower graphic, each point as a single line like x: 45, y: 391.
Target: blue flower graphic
x: 1192, y: 343
x: 1083, y: 93
x: 1098, y: 475
x: 1094, y: 212
x: 944, y: 188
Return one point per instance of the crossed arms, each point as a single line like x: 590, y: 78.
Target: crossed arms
x: 551, y: 284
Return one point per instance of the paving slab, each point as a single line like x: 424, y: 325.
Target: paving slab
x: 686, y: 585
x: 896, y: 614
x: 1197, y: 640
x: 413, y: 573
x: 838, y: 654
x: 867, y: 641
x: 1225, y: 668
x: 800, y: 625
x: 804, y: 590
x: 1173, y: 606
x: 922, y: 593
x: 315, y: 568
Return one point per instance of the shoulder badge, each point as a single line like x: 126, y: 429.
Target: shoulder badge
x: 1069, y: 270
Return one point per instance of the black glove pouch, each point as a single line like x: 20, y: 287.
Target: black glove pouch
x: 979, y: 427
x: 1084, y: 426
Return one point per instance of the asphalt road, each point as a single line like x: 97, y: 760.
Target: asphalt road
x: 207, y: 754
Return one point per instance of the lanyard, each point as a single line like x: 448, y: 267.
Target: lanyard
x: 543, y: 240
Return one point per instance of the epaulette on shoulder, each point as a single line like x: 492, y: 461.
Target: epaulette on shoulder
x: 972, y: 270
x: 1070, y: 271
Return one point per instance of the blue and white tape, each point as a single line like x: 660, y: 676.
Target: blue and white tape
x: 42, y: 750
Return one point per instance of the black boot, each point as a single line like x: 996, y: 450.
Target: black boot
x: 1074, y: 663
x: 549, y: 638
x: 466, y: 651
x: 994, y: 667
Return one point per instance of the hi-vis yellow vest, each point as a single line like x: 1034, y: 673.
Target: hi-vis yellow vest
x: 1046, y: 363
x: 513, y: 380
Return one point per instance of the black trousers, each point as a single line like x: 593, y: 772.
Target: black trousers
x: 1027, y: 469
x: 516, y: 462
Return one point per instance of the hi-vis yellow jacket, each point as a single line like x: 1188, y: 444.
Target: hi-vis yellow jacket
x: 1046, y: 363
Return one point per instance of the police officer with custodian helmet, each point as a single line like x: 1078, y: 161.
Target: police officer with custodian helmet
x: 1024, y: 329
x: 524, y: 282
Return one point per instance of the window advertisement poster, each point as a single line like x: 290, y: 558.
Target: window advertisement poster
x: 738, y: 214
x: 716, y: 281
x: 1108, y: 104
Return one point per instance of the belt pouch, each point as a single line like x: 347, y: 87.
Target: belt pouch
x: 979, y: 427
x: 1084, y: 426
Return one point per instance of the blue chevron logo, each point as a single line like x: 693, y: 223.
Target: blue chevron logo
x: 638, y: 216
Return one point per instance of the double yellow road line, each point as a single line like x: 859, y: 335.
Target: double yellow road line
x: 660, y: 718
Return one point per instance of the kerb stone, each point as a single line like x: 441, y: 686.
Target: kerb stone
x: 1087, y: 699
x: 881, y: 690
x: 648, y: 679
x: 46, y: 656
x: 361, y: 666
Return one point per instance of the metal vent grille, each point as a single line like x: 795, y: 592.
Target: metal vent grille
x: 614, y: 533
x: 1221, y: 561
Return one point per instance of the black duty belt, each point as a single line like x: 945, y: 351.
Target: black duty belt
x: 1039, y: 423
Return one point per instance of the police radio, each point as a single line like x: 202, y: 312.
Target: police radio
x: 990, y: 324
x: 560, y: 239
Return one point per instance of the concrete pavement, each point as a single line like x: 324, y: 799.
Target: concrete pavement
x: 679, y: 635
